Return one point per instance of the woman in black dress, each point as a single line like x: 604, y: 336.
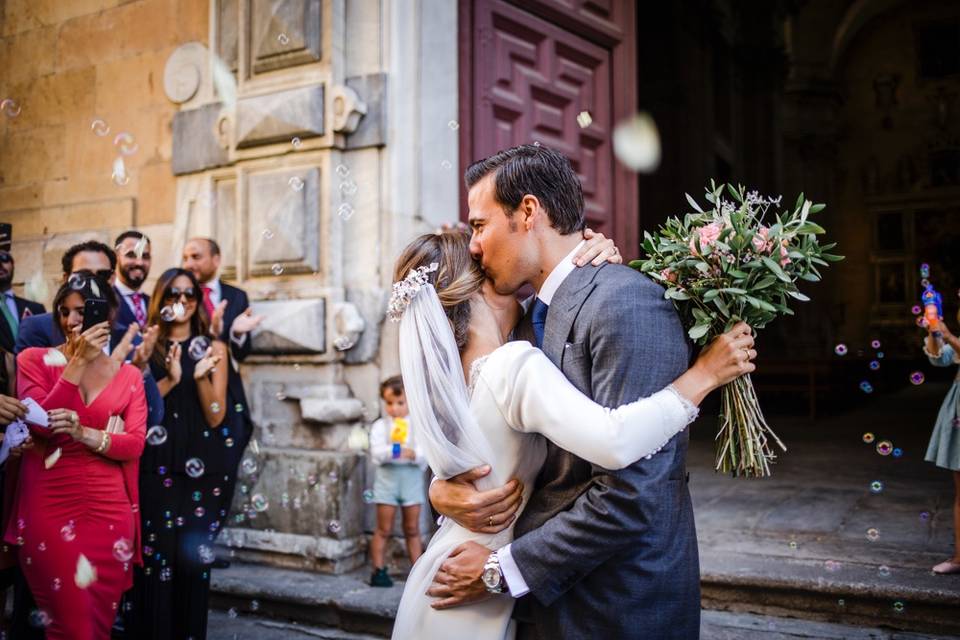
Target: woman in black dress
x: 185, y: 467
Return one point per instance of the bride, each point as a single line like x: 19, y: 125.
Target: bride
x: 477, y: 399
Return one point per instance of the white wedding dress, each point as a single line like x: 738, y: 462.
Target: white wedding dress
x: 519, y: 397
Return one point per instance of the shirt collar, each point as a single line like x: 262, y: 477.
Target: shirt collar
x: 557, y: 276
x: 214, y: 286
x: 124, y: 289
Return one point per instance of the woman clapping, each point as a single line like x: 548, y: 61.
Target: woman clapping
x: 183, y: 467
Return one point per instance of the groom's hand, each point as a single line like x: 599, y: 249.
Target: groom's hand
x: 458, y: 580
x: 479, y: 511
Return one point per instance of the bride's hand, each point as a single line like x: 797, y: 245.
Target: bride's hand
x: 727, y: 357
x: 597, y: 249
x: 479, y: 511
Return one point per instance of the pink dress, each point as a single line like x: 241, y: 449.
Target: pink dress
x: 86, y: 503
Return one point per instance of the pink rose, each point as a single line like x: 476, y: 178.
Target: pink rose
x: 668, y: 275
x: 784, y: 258
x: 708, y: 236
x: 761, y: 241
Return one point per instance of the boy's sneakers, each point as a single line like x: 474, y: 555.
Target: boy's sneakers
x: 380, y: 578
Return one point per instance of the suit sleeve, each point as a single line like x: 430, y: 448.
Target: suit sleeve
x: 32, y: 333
x: 616, y: 512
x: 239, y: 351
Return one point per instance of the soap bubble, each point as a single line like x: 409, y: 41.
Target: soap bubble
x: 296, y: 143
x: 228, y: 442
x: 884, y: 447
x: 168, y: 482
x: 445, y: 164
x: 916, y: 310
x: 10, y: 107
x: 179, y: 310
x: 295, y: 183
x: 832, y: 566
x: 232, y: 612
x: 873, y: 534
x: 198, y: 347
x: 196, y: 496
x: 840, y: 349
x: 334, y: 527
x: 206, y: 554
x: 166, y: 574
x: 345, y: 211
x: 924, y: 515
x: 636, y: 143
x: 897, y: 452
x: 584, y: 119
x: 68, y: 532
x: 874, y: 365
x: 99, y: 127
x: 238, y: 407
x: 348, y: 187
x: 917, y: 377
x: 924, y: 270
x: 56, y: 584
x: 122, y: 550
x: 162, y: 470
x: 876, y: 486
x: 793, y: 545
x: 194, y: 467
x: 214, y: 407
x: 157, y: 434
x: 126, y: 143
x: 259, y: 502
x: 879, y: 355
x: 254, y: 605
x: 454, y: 125
x: 277, y: 269
x: 216, y: 491
x: 866, y: 387
x: 875, y: 344
x: 342, y: 170
x: 249, y: 466
x: 77, y: 282
x: 267, y: 234
x: 39, y: 619
x: 884, y: 571
x: 199, y: 511
x: 119, y: 175
x: 898, y: 606
x: 167, y: 314
x: 283, y: 39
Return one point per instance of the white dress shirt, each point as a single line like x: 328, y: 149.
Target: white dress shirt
x: 216, y: 294
x: 511, y: 573
x: 127, y: 294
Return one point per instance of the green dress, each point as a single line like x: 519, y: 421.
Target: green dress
x: 944, y: 448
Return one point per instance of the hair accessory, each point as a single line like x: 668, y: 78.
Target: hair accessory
x: 405, y: 290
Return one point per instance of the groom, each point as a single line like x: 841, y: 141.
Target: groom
x: 597, y: 553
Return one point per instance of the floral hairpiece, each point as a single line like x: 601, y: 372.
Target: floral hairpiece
x: 407, y: 289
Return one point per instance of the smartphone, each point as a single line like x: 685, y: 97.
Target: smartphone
x: 94, y: 312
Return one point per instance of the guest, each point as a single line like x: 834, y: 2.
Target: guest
x: 943, y: 349
x: 399, y: 479
x: 74, y: 511
x: 132, y: 249
x: 232, y: 319
x: 43, y: 330
x: 14, y: 307
x: 184, y: 467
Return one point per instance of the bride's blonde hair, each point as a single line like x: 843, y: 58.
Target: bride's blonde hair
x: 457, y: 278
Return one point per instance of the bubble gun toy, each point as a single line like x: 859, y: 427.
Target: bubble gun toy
x: 398, y: 435
x: 932, y: 307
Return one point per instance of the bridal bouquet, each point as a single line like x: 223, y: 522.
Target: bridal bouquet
x: 741, y: 259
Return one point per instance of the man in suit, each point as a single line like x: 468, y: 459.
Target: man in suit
x: 232, y: 320
x: 14, y: 308
x: 132, y: 249
x: 597, y: 553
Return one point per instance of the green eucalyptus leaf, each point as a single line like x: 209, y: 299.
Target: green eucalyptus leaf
x: 775, y: 268
x: 817, y: 208
x: 693, y: 203
x: 698, y: 331
x: 798, y: 296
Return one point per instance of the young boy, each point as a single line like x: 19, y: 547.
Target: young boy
x: 399, y: 479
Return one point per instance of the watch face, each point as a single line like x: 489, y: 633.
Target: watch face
x: 491, y: 577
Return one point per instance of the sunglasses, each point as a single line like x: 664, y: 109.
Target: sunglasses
x: 6, y: 257
x: 103, y: 274
x: 175, y: 293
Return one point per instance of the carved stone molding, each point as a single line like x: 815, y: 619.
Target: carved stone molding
x: 280, y: 116
x: 283, y: 33
x: 185, y: 72
x: 290, y: 326
x: 196, y: 143
x: 282, y: 222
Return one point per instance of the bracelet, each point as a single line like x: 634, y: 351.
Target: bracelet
x: 104, y: 442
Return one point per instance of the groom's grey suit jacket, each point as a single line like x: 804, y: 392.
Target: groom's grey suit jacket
x: 611, y: 554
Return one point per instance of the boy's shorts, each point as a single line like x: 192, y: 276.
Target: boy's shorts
x: 399, y: 484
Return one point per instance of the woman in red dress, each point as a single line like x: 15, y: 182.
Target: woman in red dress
x: 75, y: 512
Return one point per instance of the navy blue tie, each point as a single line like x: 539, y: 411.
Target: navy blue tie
x: 539, y: 319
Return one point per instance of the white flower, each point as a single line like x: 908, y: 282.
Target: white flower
x: 407, y: 289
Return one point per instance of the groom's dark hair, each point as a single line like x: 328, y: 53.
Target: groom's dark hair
x: 538, y: 171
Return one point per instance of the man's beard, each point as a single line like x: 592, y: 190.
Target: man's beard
x: 6, y: 281
x: 133, y: 282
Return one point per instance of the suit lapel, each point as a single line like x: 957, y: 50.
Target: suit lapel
x: 564, y: 308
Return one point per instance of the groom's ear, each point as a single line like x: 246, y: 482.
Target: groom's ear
x: 530, y: 212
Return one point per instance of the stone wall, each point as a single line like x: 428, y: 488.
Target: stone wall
x: 306, y: 136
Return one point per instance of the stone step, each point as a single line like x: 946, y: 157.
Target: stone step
x: 226, y: 626
x: 752, y: 585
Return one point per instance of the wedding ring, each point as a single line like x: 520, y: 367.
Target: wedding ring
x: 490, y: 521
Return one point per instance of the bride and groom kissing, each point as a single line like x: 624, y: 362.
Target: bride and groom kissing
x: 555, y: 427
